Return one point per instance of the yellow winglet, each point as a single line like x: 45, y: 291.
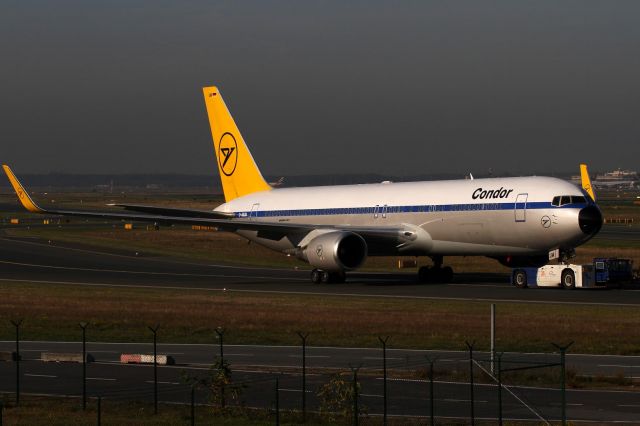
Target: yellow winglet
x: 586, y: 181
x: 22, y: 194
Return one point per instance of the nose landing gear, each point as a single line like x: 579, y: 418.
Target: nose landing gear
x: 566, y: 255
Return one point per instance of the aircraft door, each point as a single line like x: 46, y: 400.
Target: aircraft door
x: 520, y: 207
x: 254, y: 211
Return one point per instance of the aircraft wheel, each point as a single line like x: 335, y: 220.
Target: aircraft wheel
x: 325, y: 277
x: 446, y: 275
x: 520, y: 278
x: 316, y: 276
x: 424, y: 274
x: 568, y: 279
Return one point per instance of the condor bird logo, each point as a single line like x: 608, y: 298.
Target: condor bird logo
x: 228, y: 154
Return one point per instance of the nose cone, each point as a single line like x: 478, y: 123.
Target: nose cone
x: 590, y: 220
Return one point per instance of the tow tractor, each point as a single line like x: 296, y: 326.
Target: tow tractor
x: 599, y: 274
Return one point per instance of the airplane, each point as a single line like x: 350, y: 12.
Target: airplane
x: 615, y: 184
x: 519, y: 221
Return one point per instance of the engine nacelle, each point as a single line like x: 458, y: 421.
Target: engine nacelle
x: 523, y: 261
x: 335, y: 251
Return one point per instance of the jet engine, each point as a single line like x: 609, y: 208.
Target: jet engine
x: 523, y: 261
x: 335, y: 251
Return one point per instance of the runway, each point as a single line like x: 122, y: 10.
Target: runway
x: 39, y: 261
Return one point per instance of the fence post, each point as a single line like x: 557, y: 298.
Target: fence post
x: 99, y: 411
x: 1, y: 410
x: 154, y: 330
x: 563, y: 380
x: 220, y: 333
x: 222, y: 400
x: 431, y: 396
x: 17, y: 324
x: 384, y: 375
x: 470, y: 346
x: 493, y: 337
x: 303, y: 336
x: 220, y: 336
x: 277, y: 403
x: 193, y: 405
x: 500, y: 389
x: 83, y: 326
x: 355, y: 394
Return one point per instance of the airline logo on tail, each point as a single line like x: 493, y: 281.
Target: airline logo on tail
x: 238, y: 172
x: 228, y: 154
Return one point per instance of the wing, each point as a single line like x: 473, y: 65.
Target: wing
x: 170, y: 211
x: 375, y: 236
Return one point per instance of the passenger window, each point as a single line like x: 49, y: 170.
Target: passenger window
x: 566, y: 199
x: 556, y: 201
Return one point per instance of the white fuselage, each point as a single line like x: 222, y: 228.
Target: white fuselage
x: 491, y: 217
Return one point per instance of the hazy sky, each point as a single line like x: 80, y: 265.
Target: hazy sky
x: 321, y: 87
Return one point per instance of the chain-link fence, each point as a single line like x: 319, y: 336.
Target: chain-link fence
x: 463, y: 386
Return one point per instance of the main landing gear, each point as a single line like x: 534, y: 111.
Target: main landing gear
x: 326, y: 277
x: 436, y: 273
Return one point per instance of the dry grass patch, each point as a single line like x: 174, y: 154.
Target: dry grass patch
x: 53, y: 312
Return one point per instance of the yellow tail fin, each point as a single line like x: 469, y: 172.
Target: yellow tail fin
x: 586, y: 181
x: 238, y: 172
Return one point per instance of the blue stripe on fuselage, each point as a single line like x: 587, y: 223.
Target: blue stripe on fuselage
x: 427, y: 208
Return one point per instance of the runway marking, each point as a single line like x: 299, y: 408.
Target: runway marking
x: 310, y: 293
x: 379, y: 358
x: 310, y: 356
x: 48, y: 376
x: 101, y: 378
x: 295, y: 390
x: 618, y: 366
x: 118, y: 271
x: 165, y: 383
x: 461, y: 400
x: 629, y: 405
x: 239, y: 354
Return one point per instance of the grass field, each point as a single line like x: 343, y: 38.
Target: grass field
x: 52, y: 312
x: 40, y: 411
x: 54, y: 411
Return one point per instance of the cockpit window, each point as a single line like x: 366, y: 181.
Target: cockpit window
x: 562, y: 200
